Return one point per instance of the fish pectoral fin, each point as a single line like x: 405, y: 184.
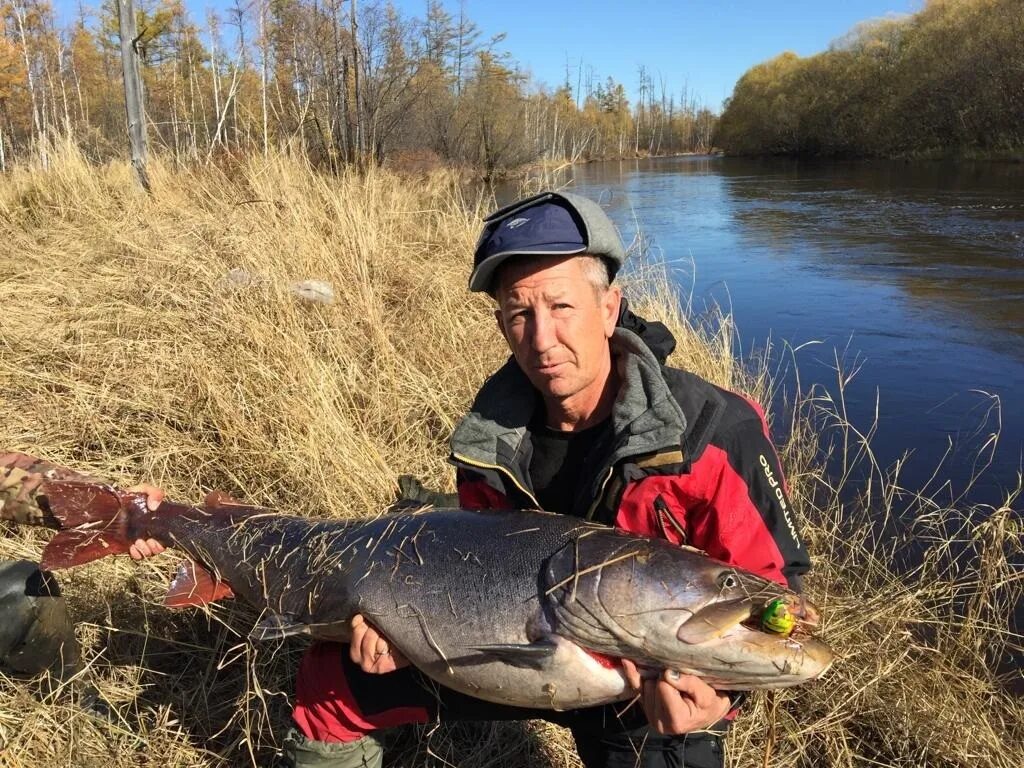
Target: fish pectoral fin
x: 276, y: 626
x: 713, y: 621
x: 195, y: 585
x: 533, y: 655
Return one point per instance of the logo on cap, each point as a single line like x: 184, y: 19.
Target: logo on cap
x: 516, y: 223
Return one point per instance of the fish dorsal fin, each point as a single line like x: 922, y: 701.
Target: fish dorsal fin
x: 215, y: 499
x: 533, y: 655
x: 276, y: 626
x: 713, y: 621
x: 195, y: 585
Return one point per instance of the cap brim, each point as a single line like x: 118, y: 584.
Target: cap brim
x: 480, y: 279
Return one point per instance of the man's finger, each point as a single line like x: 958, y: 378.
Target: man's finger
x: 702, y: 694
x: 143, y: 548
x: 153, y: 498
x: 355, y: 651
x: 154, y: 494
x: 368, y: 648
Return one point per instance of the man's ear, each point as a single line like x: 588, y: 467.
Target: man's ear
x: 610, y: 303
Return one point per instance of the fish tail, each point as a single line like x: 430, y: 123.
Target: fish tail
x: 97, y: 521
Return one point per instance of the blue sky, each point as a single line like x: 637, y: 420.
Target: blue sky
x: 704, y: 44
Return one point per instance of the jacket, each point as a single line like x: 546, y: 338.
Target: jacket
x: 684, y: 460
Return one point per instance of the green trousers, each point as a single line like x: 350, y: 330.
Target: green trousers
x: 300, y: 752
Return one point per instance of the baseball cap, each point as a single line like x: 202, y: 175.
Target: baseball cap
x: 548, y: 224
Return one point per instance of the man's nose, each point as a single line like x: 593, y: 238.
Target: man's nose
x: 543, y: 336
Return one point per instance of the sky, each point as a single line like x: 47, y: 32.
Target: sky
x: 704, y: 44
x: 701, y: 44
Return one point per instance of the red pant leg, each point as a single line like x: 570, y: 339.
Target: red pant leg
x: 325, y: 707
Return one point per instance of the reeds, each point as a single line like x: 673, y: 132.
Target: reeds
x: 131, y: 350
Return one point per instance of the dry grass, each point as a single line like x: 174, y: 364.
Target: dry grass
x: 126, y: 351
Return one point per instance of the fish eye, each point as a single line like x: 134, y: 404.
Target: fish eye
x: 728, y: 580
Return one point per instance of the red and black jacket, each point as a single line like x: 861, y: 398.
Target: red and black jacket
x: 685, y: 460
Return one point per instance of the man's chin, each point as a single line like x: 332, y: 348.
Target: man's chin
x: 549, y: 384
x: 555, y: 388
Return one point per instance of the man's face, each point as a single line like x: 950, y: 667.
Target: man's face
x: 557, y: 324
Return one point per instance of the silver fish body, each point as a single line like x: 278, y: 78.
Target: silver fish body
x: 522, y: 608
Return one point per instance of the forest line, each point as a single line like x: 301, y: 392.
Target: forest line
x: 348, y: 82
x: 342, y: 81
x: 948, y: 80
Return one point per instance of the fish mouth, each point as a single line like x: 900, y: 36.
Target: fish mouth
x: 721, y: 618
x: 783, y: 658
x: 804, y: 613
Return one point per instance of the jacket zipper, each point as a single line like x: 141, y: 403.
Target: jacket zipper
x: 600, y: 492
x: 663, y: 515
x: 499, y: 468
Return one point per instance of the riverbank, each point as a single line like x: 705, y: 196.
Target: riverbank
x: 159, y: 339
x: 1011, y: 156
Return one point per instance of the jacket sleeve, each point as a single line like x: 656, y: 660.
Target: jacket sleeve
x: 476, y: 493
x: 748, y: 519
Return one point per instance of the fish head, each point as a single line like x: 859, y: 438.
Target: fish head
x: 677, y: 608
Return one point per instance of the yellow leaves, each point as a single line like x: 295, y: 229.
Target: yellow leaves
x: 945, y: 78
x: 12, y: 68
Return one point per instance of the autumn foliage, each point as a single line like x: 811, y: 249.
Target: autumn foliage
x: 341, y: 82
x: 945, y: 80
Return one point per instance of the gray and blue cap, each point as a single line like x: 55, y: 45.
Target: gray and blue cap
x: 548, y: 224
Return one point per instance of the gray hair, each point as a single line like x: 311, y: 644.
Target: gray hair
x: 595, y: 269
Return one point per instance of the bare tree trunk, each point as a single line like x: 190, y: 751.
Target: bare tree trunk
x: 63, y: 89
x: 339, y: 117
x: 214, y: 75
x: 263, y: 75
x: 133, y: 97
x: 20, y: 14
x: 356, y: 95
x: 83, y: 113
x: 222, y: 118
x: 175, y: 128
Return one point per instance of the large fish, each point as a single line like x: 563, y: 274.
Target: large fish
x: 516, y: 607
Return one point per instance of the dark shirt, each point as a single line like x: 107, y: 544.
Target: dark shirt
x: 559, y: 460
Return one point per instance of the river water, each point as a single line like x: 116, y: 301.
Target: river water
x: 911, y: 274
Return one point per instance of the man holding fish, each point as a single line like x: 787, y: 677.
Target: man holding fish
x: 584, y: 420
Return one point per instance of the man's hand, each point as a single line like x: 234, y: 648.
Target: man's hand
x: 371, y: 650
x: 676, y: 703
x: 143, y: 548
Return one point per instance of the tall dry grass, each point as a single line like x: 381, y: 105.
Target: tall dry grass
x: 129, y: 348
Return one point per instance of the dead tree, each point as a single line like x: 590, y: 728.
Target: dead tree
x: 133, y: 98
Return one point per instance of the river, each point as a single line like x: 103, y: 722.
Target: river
x: 912, y: 274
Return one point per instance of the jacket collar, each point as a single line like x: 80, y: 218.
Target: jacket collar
x: 646, y: 417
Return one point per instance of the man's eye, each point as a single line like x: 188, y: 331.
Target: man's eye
x: 563, y: 306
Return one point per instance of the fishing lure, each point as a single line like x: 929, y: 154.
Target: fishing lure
x: 777, y: 617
